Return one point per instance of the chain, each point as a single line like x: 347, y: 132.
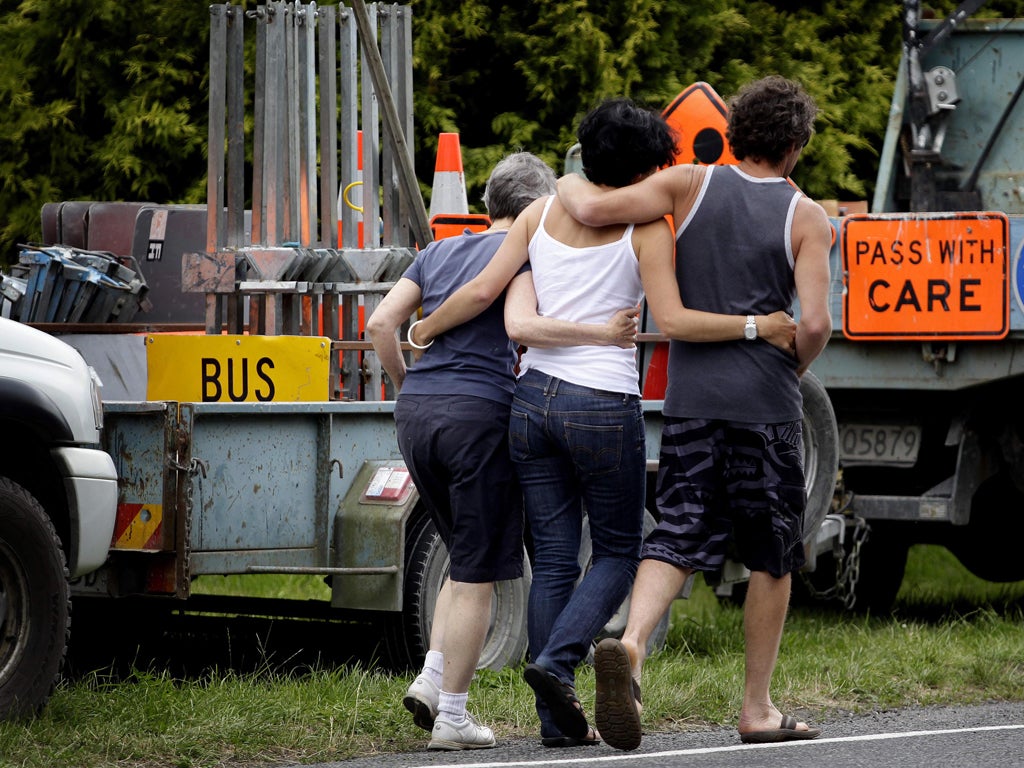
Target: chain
x: 194, y: 468
x: 844, y: 587
x: 848, y: 568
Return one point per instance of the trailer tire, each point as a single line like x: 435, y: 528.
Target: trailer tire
x: 821, y: 452
x: 35, y: 603
x: 407, y: 635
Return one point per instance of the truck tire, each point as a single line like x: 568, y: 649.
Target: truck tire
x: 407, y: 635
x: 881, y: 563
x: 989, y: 545
x: 35, y: 603
x: 821, y: 452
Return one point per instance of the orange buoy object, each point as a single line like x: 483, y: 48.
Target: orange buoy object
x: 699, y: 117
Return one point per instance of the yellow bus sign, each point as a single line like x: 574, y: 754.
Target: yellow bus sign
x: 237, y: 369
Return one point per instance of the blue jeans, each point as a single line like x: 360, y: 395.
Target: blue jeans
x: 577, y: 449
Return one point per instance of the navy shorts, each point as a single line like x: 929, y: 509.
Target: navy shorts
x: 727, y: 489
x: 456, y: 450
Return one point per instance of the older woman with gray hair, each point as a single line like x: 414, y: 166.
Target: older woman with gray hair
x: 452, y: 418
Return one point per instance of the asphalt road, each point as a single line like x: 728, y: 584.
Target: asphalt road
x: 989, y: 735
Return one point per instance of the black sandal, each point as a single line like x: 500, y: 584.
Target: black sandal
x: 561, y: 700
x: 568, y: 741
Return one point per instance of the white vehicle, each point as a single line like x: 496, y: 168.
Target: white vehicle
x: 58, y: 504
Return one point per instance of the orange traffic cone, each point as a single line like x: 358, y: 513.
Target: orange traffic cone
x: 449, y: 209
x: 449, y: 192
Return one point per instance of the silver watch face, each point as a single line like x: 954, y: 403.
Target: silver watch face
x: 750, y: 331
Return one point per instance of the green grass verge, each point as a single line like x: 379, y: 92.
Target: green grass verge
x: 953, y: 639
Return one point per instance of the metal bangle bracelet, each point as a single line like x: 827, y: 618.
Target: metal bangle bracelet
x: 412, y: 343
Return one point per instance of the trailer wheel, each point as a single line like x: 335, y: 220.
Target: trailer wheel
x: 821, y: 452
x: 35, y: 603
x: 407, y: 635
x: 617, y: 624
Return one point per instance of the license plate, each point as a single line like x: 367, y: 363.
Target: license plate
x: 886, y: 444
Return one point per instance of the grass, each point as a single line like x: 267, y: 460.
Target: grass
x: 953, y: 639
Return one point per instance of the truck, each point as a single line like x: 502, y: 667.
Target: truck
x: 924, y: 366
x: 58, y: 495
x: 251, y: 429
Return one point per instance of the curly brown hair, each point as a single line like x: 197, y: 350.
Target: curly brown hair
x: 768, y: 117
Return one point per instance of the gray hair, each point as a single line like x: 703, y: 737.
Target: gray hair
x: 516, y: 181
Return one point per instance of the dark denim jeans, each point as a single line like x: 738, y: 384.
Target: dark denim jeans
x: 577, y: 449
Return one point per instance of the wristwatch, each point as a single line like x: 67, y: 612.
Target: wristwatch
x: 750, y: 329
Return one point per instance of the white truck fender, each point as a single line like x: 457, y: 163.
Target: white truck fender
x: 90, y: 480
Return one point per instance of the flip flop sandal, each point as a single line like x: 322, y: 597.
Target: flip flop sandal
x: 561, y: 700
x: 617, y: 697
x: 786, y: 731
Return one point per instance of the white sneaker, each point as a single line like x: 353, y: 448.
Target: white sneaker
x: 421, y: 699
x: 468, y: 734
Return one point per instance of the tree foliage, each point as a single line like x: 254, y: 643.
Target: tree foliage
x: 106, y: 100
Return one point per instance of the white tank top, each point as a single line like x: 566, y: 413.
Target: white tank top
x: 585, y: 285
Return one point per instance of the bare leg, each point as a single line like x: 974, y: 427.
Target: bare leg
x: 764, y: 614
x: 465, y: 630
x: 656, y: 585
x: 441, y: 609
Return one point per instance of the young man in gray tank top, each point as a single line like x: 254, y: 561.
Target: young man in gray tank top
x: 731, y: 468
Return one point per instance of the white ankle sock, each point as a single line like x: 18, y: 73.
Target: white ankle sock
x: 433, y: 666
x: 452, y: 706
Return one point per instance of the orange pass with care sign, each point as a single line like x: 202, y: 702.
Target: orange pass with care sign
x: 926, y: 276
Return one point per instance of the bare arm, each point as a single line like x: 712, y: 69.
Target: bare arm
x: 812, y: 241
x: 654, y: 246
x: 647, y: 200
x: 480, y: 292
x: 382, y: 326
x: 525, y: 326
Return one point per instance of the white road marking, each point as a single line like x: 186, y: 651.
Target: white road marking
x: 579, y: 760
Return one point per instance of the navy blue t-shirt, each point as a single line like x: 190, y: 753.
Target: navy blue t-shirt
x: 475, y: 358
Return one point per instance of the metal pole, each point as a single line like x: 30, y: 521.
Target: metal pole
x: 406, y: 173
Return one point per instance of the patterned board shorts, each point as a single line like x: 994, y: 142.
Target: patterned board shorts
x: 727, y: 489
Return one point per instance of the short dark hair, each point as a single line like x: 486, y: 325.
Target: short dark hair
x: 768, y: 117
x: 516, y: 181
x: 620, y: 141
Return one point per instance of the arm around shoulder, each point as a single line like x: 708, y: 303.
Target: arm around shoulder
x: 646, y: 200
x: 480, y: 292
